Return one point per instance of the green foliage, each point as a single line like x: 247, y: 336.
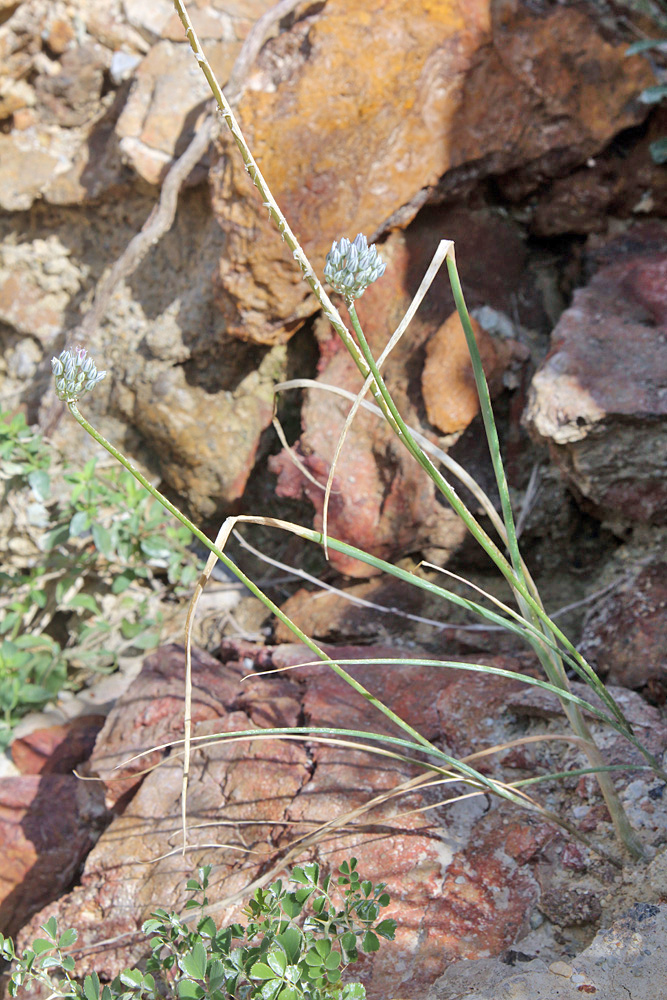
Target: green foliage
x: 281, y: 954
x: 107, y: 538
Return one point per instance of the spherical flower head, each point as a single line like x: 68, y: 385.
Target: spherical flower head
x: 352, y: 266
x: 74, y: 373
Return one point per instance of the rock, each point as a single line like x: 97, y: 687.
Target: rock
x: 206, y: 464
x: 352, y: 136
x: 583, y: 201
x: 150, y: 17
x: 150, y: 713
x: 57, y: 749
x: 72, y: 96
x: 169, y: 91
x: 122, y: 66
x: 268, y: 790
x: 59, y: 36
x: 7, y: 8
x: 138, y: 859
x: 42, y: 846
x: 448, y: 382
x: 37, y: 282
x: 25, y: 170
x: 598, y: 403
x: 159, y: 118
x: 576, y: 906
x: 625, y: 960
x: 63, y: 166
x: 625, y: 635
x: 15, y: 96
x: 382, y: 610
x: 462, y: 874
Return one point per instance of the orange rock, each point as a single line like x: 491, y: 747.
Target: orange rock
x: 359, y: 110
x: 448, y: 383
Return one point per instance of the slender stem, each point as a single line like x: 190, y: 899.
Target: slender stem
x: 528, y: 603
x: 487, y: 414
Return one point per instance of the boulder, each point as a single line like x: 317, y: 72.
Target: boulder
x: 48, y: 824
x: 464, y: 876
x: 598, y: 398
x: 57, y: 749
x: 627, y: 958
x: 352, y: 145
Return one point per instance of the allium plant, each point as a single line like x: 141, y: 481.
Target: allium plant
x: 351, y: 266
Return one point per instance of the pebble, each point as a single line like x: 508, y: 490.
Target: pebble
x: 561, y: 969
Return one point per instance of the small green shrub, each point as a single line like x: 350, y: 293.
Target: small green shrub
x: 280, y: 954
x: 106, y: 539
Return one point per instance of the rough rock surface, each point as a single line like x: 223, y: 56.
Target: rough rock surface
x: 464, y: 877
x: 57, y: 749
x: 75, y: 124
x: 43, y: 846
x: 625, y: 636
x: 627, y: 960
x: 598, y: 399
x: 353, y: 133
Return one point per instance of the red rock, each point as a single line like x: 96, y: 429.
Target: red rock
x: 598, y: 400
x: 47, y: 826
x: 449, y: 903
x: 461, y: 873
x: 150, y: 713
x: 334, y: 617
x: 57, y: 749
x: 525, y: 841
x: 411, y: 690
x: 574, y: 857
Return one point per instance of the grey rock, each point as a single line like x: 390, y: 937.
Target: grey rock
x: 626, y: 962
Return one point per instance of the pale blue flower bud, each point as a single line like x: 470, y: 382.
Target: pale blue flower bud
x: 351, y: 267
x: 74, y: 373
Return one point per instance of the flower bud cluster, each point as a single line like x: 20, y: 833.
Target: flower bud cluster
x: 351, y: 267
x: 75, y: 373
